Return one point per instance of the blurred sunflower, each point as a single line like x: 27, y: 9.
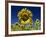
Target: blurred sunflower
x: 25, y: 16
x: 25, y: 21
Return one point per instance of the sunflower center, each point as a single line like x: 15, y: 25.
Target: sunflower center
x: 25, y: 17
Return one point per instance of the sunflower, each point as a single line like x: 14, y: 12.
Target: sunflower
x: 25, y: 16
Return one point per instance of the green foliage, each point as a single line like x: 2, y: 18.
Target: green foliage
x: 17, y: 27
x: 37, y: 23
x: 28, y: 28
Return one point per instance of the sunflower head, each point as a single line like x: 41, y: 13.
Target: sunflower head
x: 24, y: 14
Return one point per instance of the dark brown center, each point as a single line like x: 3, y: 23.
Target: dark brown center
x: 25, y: 18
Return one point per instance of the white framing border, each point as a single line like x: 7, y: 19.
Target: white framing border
x: 23, y: 32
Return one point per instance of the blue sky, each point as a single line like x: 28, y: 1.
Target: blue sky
x: 36, y: 11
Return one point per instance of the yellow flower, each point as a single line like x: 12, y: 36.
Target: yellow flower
x: 25, y: 22
x: 24, y: 16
